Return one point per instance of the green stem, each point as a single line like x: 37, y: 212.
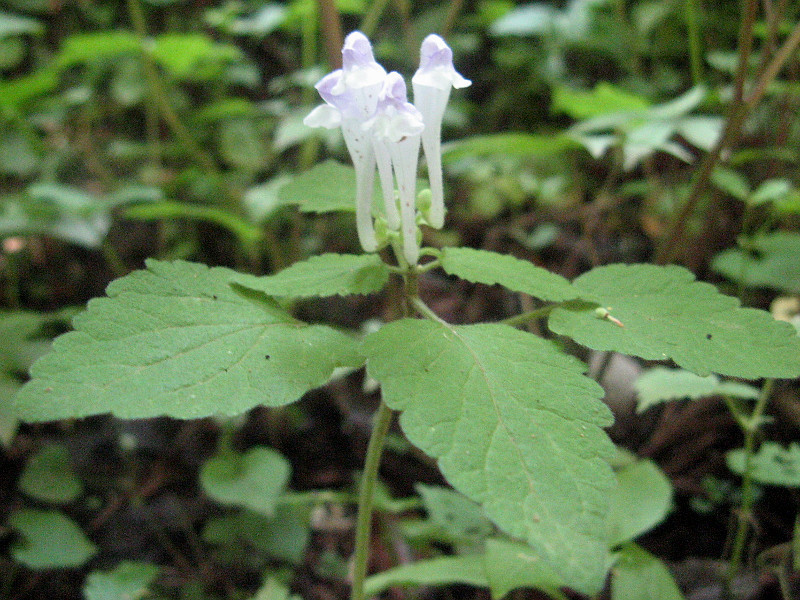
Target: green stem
x: 383, y: 419
x: 531, y: 315
x: 695, y: 44
x: 750, y: 428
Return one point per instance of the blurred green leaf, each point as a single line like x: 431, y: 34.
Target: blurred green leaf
x: 467, y: 569
x: 168, y: 209
x: 284, y: 537
x: 603, y: 99
x: 508, y: 144
x: 86, y: 48
x: 14, y: 25
x: 771, y: 465
x: 642, y: 500
x: 660, y: 384
x: 326, y: 187
x: 50, y: 540
x: 638, y: 575
x: 510, y: 565
x: 192, y: 56
x: 770, y: 260
x: 48, y: 476
x: 253, y: 479
x: 129, y: 580
x: 731, y: 182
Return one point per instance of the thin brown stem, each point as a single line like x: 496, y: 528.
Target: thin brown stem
x: 331, y: 29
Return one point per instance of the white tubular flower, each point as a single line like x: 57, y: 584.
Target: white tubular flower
x: 351, y: 96
x: 397, y: 126
x: 432, y: 84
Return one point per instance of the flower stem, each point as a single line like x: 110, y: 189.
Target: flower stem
x: 750, y: 427
x: 383, y: 418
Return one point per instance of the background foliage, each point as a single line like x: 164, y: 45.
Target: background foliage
x: 595, y: 132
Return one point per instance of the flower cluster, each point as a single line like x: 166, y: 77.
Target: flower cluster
x: 382, y: 129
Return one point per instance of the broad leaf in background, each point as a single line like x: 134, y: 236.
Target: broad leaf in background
x: 660, y: 384
x: 511, y: 565
x: 252, y: 480
x: 283, y: 537
x: 638, y: 575
x: 465, y: 568
x: 129, y: 580
x: 664, y: 313
x: 48, y: 476
x: 327, y: 187
x: 640, y: 132
x: 771, y: 465
x: 324, y: 275
x: 771, y: 260
x: 176, y: 340
x: 515, y: 426
x: 507, y: 144
x: 481, y: 266
x: 641, y: 501
x: 50, y: 540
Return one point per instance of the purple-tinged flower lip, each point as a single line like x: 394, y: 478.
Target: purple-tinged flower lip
x: 357, y: 51
x: 435, y: 52
x: 326, y: 85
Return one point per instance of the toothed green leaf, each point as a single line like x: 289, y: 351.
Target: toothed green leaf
x: 177, y: 340
x: 663, y: 313
x: 515, y: 426
x: 481, y: 266
x: 325, y: 275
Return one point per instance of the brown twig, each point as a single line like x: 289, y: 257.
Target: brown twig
x: 331, y: 28
x: 739, y: 110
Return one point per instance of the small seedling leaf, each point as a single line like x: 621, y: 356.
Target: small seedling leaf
x: 50, y: 540
x: 48, y: 476
x: 129, y: 580
x: 771, y: 465
x: 254, y: 479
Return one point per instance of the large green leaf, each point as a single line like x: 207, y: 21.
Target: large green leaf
x: 514, y: 425
x: 663, y: 313
x: 325, y: 275
x: 176, y: 340
x: 481, y: 266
